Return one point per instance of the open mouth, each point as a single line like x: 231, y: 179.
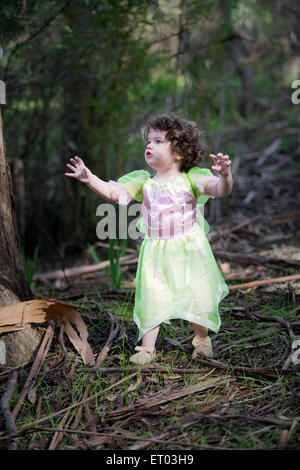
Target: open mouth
x: 148, y: 154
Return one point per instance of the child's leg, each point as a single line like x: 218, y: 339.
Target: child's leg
x: 147, y: 350
x: 201, y: 342
x: 200, y: 330
x: 149, y: 338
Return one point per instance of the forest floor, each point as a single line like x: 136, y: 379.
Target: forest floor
x: 245, y: 398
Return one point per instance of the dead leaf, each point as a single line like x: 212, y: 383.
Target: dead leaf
x: 14, y: 317
x: 152, y: 380
x: 133, y: 387
x: 111, y: 397
x: 172, y: 377
x: 32, y: 395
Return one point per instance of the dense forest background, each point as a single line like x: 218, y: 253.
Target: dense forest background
x: 83, y: 76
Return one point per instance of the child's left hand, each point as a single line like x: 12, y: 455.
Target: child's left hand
x: 221, y: 164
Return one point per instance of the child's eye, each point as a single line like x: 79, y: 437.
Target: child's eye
x: 157, y: 141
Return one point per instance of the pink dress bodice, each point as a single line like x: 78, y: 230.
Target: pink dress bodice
x: 168, y: 211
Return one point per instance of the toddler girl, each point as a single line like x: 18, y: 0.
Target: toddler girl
x: 177, y: 274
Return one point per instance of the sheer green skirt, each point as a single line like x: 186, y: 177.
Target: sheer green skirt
x: 178, y: 279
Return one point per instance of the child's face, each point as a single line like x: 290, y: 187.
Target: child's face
x: 158, y: 153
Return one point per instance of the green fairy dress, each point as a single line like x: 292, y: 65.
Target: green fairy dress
x: 177, y: 274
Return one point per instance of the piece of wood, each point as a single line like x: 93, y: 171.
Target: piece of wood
x: 214, y: 235
x: 245, y: 258
x: 285, y: 435
x: 35, y: 370
x: 79, y: 270
x: 148, y: 368
x: 283, y: 219
x: 146, y: 404
x: 17, y: 315
x: 265, y: 282
x: 271, y: 149
x: 58, y: 435
x: 265, y: 372
x: 74, y: 405
x: 114, y: 330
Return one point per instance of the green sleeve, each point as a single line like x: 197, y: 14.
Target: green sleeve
x: 198, y: 178
x: 133, y: 182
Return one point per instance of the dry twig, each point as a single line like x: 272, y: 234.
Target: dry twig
x: 36, y: 367
x: 114, y: 330
x: 8, y: 416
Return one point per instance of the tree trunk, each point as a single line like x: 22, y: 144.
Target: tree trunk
x: 237, y: 53
x: 13, y: 285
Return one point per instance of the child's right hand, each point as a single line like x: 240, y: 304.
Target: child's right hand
x: 80, y: 171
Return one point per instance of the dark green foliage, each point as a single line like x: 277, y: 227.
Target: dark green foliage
x: 82, y: 78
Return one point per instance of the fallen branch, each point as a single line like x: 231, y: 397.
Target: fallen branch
x: 257, y: 371
x: 253, y: 259
x: 121, y: 435
x: 79, y: 270
x: 270, y: 150
x: 246, y: 417
x: 37, y: 416
x: 265, y: 282
x: 79, y: 411
x: 90, y: 418
x: 58, y: 435
x: 114, y: 330
x: 74, y: 405
x: 283, y: 219
x: 239, y: 275
x: 146, y: 404
x: 285, y: 435
x: 278, y: 319
x: 147, y: 369
x: 215, y: 235
x: 35, y: 370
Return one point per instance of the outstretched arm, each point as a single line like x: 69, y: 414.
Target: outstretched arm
x: 223, y: 187
x: 84, y: 175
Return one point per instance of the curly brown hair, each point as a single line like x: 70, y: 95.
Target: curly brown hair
x: 184, y: 136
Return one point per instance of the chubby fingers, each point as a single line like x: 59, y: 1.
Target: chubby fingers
x: 221, y: 163
x: 71, y: 167
x: 220, y: 159
x: 78, y: 160
x: 219, y: 156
